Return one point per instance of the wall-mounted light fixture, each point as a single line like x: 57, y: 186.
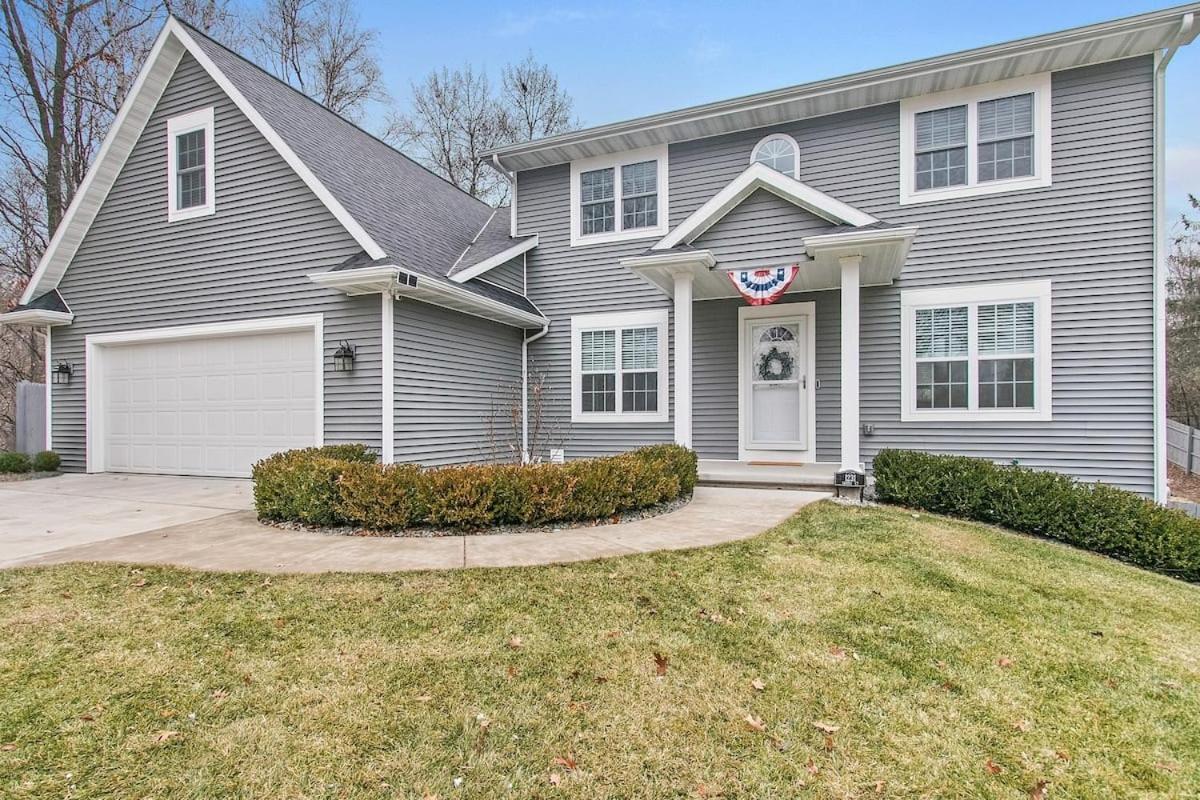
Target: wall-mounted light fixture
x: 61, y: 374
x: 343, y: 357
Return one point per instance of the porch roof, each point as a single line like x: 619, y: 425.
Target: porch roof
x: 881, y: 246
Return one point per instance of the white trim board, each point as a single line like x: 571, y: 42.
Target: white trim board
x: 974, y: 295
x: 497, y: 260
x: 388, y: 386
x: 755, y: 177
x: 971, y: 97
x: 173, y: 41
x: 200, y: 120
x: 659, y: 154
x: 658, y: 318
x: 808, y: 311
x: 95, y: 344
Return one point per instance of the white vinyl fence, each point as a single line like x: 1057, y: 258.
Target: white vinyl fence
x: 1183, y: 446
x: 31, y: 417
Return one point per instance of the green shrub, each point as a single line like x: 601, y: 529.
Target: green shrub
x: 315, y: 487
x: 381, y: 496
x: 46, y: 461
x: 14, y: 462
x: 1095, y: 517
x: 302, y: 485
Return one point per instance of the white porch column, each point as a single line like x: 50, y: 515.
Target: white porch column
x: 683, y: 357
x: 851, y: 455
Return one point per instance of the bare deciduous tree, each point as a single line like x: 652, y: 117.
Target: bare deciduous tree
x: 319, y: 47
x: 537, y: 106
x: 1183, y: 322
x: 454, y: 117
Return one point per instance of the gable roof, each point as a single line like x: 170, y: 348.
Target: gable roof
x: 400, y: 213
x: 760, y: 176
x: 491, y: 247
x: 1075, y: 47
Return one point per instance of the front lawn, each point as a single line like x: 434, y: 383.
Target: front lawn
x: 848, y: 653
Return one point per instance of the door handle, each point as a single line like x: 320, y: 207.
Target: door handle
x: 803, y: 381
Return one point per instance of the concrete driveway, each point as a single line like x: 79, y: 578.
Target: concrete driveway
x: 43, y: 516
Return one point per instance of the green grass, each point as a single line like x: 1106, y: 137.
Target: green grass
x: 935, y: 647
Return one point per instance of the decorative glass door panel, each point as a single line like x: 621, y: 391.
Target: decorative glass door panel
x: 777, y: 385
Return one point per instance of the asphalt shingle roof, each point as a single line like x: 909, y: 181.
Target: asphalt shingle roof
x: 492, y: 240
x: 50, y: 301
x: 422, y: 222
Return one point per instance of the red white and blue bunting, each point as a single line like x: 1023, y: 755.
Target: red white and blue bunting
x: 761, y: 287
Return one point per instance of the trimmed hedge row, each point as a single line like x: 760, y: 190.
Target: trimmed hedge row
x: 45, y: 461
x: 343, y: 485
x: 1095, y: 517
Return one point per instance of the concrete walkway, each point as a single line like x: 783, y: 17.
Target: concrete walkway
x: 236, y: 541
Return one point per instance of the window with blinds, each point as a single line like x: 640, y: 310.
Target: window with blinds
x: 1007, y: 349
x: 1006, y: 138
x: 942, y: 350
x: 941, y: 148
x: 619, y: 366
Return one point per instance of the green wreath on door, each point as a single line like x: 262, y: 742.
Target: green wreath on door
x: 776, y: 365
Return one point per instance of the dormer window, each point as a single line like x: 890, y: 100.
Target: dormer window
x: 977, y: 140
x: 779, y: 152
x: 190, y: 178
x: 619, y: 197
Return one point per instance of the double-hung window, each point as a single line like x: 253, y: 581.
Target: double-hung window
x: 190, y: 178
x: 619, y: 366
x: 977, y: 353
x: 614, y: 198
x: 977, y: 140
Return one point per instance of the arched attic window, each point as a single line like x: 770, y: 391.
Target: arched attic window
x: 779, y: 152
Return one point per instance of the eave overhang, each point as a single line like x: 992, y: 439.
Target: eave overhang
x: 403, y: 283
x: 882, y: 251
x: 1076, y: 47
x: 36, y: 317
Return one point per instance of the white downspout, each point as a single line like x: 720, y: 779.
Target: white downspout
x: 388, y: 365
x: 525, y: 455
x: 1161, y: 59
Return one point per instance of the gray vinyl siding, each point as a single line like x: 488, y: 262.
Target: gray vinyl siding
x: 1091, y: 233
x: 715, y: 342
x: 510, y: 275
x: 567, y: 281
x: 456, y: 376
x: 134, y: 270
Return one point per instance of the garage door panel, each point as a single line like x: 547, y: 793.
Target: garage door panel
x: 207, y: 406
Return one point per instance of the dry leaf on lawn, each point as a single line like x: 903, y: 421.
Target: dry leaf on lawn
x: 660, y: 664
x: 1023, y: 725
x: 555, y: 779
x: 1040, y: 790
x: 993, y: 768
x: 755, y: 723
x: 758, y: 684
x: 1004, y: 662
x: 163, y: 736
x: 826, y: 727
x: 567, y: 761
x: 515, y: 643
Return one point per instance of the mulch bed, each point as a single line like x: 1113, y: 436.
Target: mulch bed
x: 1182, y: 485
x: 12, y: 477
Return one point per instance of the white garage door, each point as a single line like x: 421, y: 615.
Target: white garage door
x: 209, y: 406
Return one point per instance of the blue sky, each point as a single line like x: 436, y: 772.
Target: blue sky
x: 621, y: 60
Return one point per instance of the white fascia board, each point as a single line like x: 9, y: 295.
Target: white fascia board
x: 753, y: 178
x: 703, y: 258
x: 343, y: 216
x: 34, y: 316
x: 495, y: 261
x: 871, y: 236
x: 1059, y: 50
x: 127, y: 128
x: 341, y: 278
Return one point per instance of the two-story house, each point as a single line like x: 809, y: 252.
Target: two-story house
x: 959, y: 254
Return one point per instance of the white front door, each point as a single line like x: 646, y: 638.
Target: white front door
x: 777, y: 387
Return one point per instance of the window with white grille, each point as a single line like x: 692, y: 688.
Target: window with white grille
x: 190, y: 175
x: 619, y: 366
x: 977, y: 352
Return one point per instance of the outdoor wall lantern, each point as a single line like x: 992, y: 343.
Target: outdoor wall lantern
x: 61, y: 374
x: 343, y: 357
